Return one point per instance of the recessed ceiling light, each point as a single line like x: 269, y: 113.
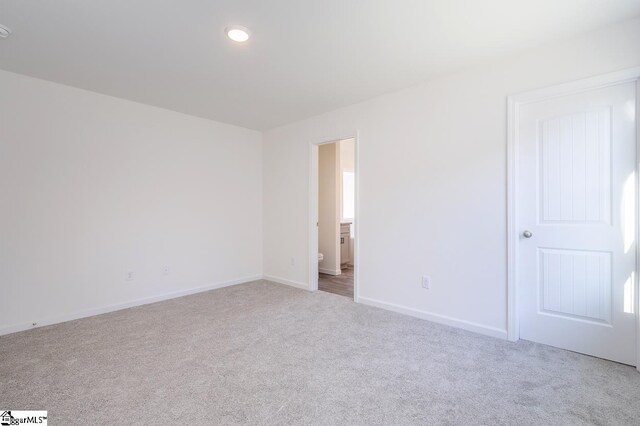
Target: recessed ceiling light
x: 238, y: 33
x: 4, y: 31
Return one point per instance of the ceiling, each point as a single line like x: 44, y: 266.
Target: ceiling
x: 305, y: 57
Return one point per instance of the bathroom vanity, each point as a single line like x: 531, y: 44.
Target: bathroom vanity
x: 345, y: 240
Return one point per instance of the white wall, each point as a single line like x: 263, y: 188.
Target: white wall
x: 329, y: 208
x: 93, y: 186
x: 432, y: 170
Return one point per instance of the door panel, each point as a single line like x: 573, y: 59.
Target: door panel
x: 576, y: 283
x: 577, y: 165
x: 576, y: 176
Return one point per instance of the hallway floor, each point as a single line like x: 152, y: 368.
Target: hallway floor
x: 338, y: 284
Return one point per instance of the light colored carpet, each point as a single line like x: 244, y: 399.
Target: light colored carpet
x: 262, y: 353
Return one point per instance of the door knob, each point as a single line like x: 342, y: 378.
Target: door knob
x: 527, y: 234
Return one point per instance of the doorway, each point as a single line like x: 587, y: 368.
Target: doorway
x: 573, y: 239
x: 333, y: 206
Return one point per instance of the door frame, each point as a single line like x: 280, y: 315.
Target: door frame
x: 313, y: 210
x: 514, y: 103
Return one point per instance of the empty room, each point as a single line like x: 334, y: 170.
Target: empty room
x: 367, y: 212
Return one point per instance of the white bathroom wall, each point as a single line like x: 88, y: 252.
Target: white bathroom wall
x: 347, y: 154
x: 347, y: 164
x: 329, y: 208
x: 94, y: 187
x: 432, y: 181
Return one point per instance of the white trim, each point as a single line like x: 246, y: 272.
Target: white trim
x: 437, y: 318
x: 577, y: 86
x: 314, y: 155
x: 330, y: 271
x: 355, y: 221
x: 637, y: 283
x: 514, y: 102
x: 296, y: 284
x: 125, y: 305
x: 513, y: 324
x: 313, y: 210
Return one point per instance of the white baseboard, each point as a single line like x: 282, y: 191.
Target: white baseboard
x: 119, y: 306
x: 284, y: 281
x: 440, y: 319
x: 330, y: 271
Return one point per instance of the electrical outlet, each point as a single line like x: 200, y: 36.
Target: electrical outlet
x: 426, y: 282
x: 292, y: 262
x: 166, y: 270
x: 129, y: 276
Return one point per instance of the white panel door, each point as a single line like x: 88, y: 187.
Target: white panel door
x: 577, y: 217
